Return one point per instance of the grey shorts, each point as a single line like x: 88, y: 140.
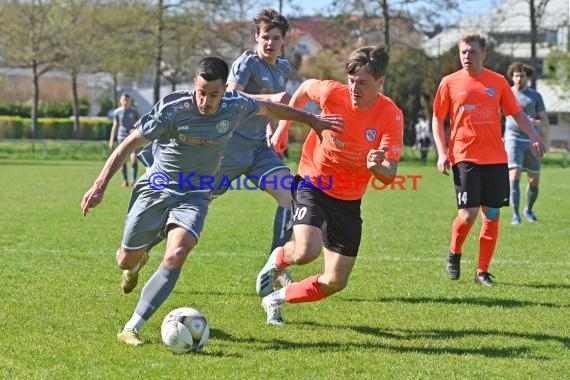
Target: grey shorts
x: 520, y: 156
x: 246, y: 158
x: 151, y: 211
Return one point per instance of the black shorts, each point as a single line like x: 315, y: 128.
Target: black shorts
x: 339, y: 220
x: 481, y: 185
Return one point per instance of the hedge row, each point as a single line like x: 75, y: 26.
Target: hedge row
x: 14, y: 127
x: 64, y: 109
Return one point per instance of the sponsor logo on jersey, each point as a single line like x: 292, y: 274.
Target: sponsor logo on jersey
x: 195, y: 140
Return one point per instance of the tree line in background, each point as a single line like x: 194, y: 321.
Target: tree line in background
x: 131, y: 38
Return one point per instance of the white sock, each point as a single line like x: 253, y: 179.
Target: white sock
x: 136, y: 268
x: 280, y: 296
x: 136, y: 322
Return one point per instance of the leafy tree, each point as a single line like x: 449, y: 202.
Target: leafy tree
x: 76, y: 45
x: 537, y: 9
x: 29, y: 35
x: 411, y: 86
x: 557, y: 66
x: 184, y: 35
x: 124, y: 43
x: 371, y: 21
x: 323, y: 65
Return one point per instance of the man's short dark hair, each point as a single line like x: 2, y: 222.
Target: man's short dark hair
x: 373, y: 59
x: 213, y: 68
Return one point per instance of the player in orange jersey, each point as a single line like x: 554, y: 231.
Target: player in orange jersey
x: 332, y: 177
x: 473, y: 98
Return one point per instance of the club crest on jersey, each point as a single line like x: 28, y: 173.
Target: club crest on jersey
x: 223, y: 126
x: 490, y: 91
x: 370, y: 134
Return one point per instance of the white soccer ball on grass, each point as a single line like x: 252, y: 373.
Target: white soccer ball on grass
x: 185, y: 329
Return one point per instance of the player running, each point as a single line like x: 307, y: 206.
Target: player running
x: 332, y: 178
x: 191, y: 129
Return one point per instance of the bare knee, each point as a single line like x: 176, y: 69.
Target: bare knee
x: 468, y: 215
x: 299, y: 253
x: 533, y: 180
x: 176, y: 256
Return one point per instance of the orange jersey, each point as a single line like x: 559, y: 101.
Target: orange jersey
x: 474, y: 105
x: 337, y: 165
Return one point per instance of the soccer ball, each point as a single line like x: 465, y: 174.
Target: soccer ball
x: 185, y: 329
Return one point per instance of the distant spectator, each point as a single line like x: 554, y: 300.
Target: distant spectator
x: 423, y: 144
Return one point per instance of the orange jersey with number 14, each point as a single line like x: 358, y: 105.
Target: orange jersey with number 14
x: 337, y: 165
x: 474, y: 105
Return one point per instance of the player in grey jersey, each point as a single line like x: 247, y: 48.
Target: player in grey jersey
x: 190, y: 129
x: 517, y: 143
x: 124, y: 119
x: 262, y: 71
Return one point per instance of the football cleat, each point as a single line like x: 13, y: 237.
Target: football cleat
x: 453, y: 266
x: 266, y: 277
x: 530, y: 216
x: 484, y: 279
x: 130, y: 336
x: 516, y: 220
x: 273, y: 310
x: 129, y: 279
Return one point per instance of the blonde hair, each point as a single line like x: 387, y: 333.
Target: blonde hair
x: 473, y: 37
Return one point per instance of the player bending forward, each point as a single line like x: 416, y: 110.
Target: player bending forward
x: 326, y: 213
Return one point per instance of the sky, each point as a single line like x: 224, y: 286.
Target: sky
x: 468, y: 8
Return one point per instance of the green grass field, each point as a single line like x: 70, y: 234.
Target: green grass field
x: 399, y: 318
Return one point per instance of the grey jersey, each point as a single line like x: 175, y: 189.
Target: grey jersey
x: 126, y: 120
x: 189, y: 145
x: 256, y: 76
x: 532, y: 103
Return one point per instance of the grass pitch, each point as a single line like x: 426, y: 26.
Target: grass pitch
x: 399, y: 317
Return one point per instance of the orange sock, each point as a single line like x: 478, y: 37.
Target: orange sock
x: 307, y: 290
x: 459, y: 233
x: 487, y: 243
x: 280, y: 259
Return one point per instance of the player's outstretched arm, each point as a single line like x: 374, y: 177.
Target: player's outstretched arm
x: 113, y: 135
x: 94, y: 195
x: 298, y: 100
x: 318, y: 123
